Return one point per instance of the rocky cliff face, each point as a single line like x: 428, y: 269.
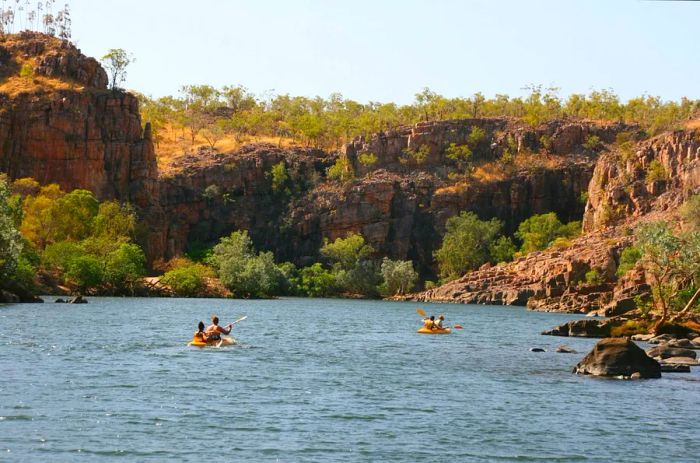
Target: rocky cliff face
x: 84, y: 136
x: 50, y: 57
x: 621, y: 195
x: 624, y: 186
x: 77, y: 137
x: 90, y: 140
x: 558, y: 138
x: 212, y: 194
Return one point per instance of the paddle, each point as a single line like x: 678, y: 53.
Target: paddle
x: 421, y: 312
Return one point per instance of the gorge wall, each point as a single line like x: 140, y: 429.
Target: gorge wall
x: 81, y: 135
x: 621, y: 195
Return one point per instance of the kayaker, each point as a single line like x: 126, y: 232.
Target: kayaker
x: 200, y: 335
x: 214, y: 331
x: 429, y: 323
x: 438, y: 323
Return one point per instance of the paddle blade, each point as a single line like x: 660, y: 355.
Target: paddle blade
x: 421, y: 312
x: 458, y: 327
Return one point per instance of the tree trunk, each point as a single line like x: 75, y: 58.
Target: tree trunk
x: 687, y: 307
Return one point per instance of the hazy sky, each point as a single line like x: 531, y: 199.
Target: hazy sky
x: 387, y: 50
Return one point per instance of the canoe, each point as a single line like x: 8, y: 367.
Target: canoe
x: 425, y: 330
x: 227, y: 341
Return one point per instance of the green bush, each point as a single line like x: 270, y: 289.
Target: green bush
x: 341, y: 171
x: 85, y: 272
x: 187, y: 279
x: 367, y: 159
x: 124, y: 267
x: 502, y: 250
x: 594, y: 277
x: 656, y: 171
x: 628, y: 259
x: 243, y: 272
x: 592, y: 142
x: 399, y: 277
x: 540, y: 231
x: 317, y: 281
x: 280, y: 178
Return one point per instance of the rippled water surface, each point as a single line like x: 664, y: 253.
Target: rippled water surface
x: 319, y: 380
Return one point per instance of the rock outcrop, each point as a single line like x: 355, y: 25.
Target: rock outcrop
x: 623, y: 187
x: 50, y: 57
x: 620, y: 197
x: 552, y: 280
x: 618, y: 357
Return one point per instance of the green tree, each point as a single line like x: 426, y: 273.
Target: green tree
x: 363, y: 278
x: 502, y: 250
x: 114, y: 221
x: 10, y: 238
x: 399, y: 277
x: 462, y: 155
x: 243, y: 272
x: 85, y: 272
x: 341, y: 171
x: 656, y: 171
x: 690, y: 212
x: 187, y: 278
x: 628, y: 259
x: 348, y: 251
x: 60, y: 255
x: 115, y: 62
x: 465, y: 245
x: 74, y: 214
x: 671, y: 263
x: 540, y: 231
x: 316, y: 281
x: 280, y: 178
x: 124, y: 267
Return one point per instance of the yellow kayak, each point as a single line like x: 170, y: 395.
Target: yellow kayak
x: 225, y: 341
x: 425, y: 330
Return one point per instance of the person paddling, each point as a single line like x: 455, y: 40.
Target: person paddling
x: 214, y: 331
x: 200, y: 335
x: 438, y: 323
x: 429, y: 323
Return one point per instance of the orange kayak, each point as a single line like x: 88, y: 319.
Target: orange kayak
x: 225, y: 341
x: 425, y: 330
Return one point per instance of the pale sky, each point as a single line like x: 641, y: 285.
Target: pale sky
x: 387, y: 50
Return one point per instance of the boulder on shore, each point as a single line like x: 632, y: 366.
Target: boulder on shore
x: 586, y: 328
x: 665, y: 351
x: 618, y: 357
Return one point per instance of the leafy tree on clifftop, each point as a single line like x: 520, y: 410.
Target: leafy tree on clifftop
x: 115, y: 61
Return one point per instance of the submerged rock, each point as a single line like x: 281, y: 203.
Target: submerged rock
x: 618, y: 357
x: 566, y: 350
x: 537, y: 349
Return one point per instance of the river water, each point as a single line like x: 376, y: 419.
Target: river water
x: 320, y: 381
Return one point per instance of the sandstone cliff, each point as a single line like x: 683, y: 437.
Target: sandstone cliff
x: 621, y: 195
x: 71, y: 130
